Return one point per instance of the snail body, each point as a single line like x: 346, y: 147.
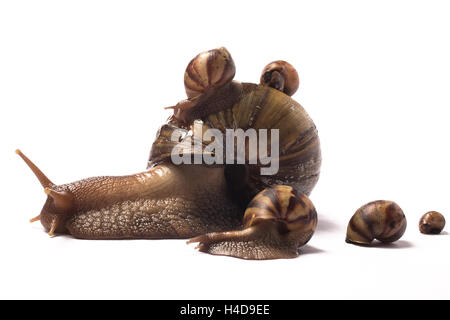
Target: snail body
x: 277, y: 222
x: 184, y: 201
x: 382, y: 220
x: 431, y: 222
x: 151, y: 204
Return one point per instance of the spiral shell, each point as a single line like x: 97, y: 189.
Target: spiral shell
x: 213, y: 68
x: 382, y: 220
x: 432, y: 222
x: 284, y: 205
x: 280, y: 75
x: 258, y: 107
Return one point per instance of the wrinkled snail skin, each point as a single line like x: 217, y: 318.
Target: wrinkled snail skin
x: 280, y: 75
x: 151, y: 204
x: 277, y: 222
x: 431, y: 222
x: 382, y: 220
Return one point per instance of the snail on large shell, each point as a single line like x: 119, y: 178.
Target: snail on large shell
x: 203, y: 200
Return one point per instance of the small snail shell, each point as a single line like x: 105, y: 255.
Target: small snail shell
x: 212, y: 68
x: 276, y: 223
x: 282, y: 203
x: 432, y: 222
x: 381, y: 220
x: 280, y: 75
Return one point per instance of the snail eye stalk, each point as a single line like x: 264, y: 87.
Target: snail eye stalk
x: 63, y: 201
x: 45, y: 182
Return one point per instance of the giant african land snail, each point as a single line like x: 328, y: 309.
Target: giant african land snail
x: 207, y: 201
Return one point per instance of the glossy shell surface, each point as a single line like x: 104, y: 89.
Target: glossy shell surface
x: 259, y: 107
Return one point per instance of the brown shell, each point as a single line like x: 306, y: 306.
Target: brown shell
x: 282, y: 76
x: 432, y: 222
x: 282, y: 204
x: 260, y: 107
x: 382, y: 220
x: 208, y: 69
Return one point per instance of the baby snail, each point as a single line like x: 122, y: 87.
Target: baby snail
x: 209, y: 69
x: 208, y: 84
x: 210, y: 88
x: 276, y: 223
x: 382, y: 220
x: 280, y: 75
x: 212, y: 203
x: 432, y: 222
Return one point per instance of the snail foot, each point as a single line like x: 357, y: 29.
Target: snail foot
x: 260, y: 242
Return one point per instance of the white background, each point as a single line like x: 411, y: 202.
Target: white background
x: 82, y: 90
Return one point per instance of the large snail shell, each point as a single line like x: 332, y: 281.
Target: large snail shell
x: 260, y: 107
x: 208, y: 69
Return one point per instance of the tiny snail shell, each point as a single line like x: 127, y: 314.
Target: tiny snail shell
x: 276, y: 223
x: 432, y: 222
x: 382, y: 220
x: 212, y: 68
x: 280, y: 75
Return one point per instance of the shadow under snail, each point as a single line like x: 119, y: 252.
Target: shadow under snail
x: 200, y: 201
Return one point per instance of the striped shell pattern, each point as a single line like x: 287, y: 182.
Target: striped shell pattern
x: 208, y: 69
x: 282, y: 203
x: 382, y: 220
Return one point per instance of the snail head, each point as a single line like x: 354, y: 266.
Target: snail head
x: 60, y: 202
